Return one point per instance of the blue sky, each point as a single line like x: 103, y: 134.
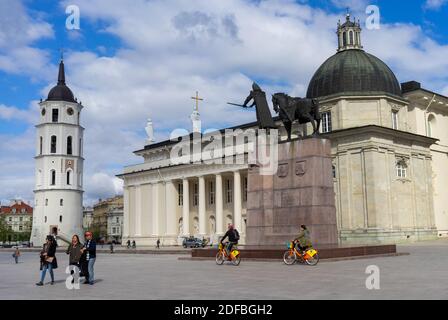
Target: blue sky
x: 145, y: 58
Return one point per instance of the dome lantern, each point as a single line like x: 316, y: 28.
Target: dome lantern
x: 349, y: 34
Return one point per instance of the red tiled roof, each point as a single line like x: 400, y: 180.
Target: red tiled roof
x: 18, y: 207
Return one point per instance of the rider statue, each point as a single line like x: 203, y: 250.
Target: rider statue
x: 264, y: 116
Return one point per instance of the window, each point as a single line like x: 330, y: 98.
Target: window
x: 41, y: 145
x: 245, y: 189
x: 117, y: 220
x: 53, y: 177
x: 14, y: 210
x: 69, y: 177
x: 80, y: 148
x: 351, y: 37
x: 180, y: 194
x: 195, y: 194
x: 60, y: 218
x: 45, y: 219
x: 333, y: 170
x: 46, y: 202
x: 55, y: 116
x: 114, y: 230
x: 69, y: 145
x: 326, y: 122
x: 20, y: 228
x: 10, y: 219
x: 212, y: 193
x: 401, y: 169
x: 344, y: 39
x: 61, y: 202
x: 395, y: 120
x: 229, y: 195
x: 53, y: 144
x: 21, y: 219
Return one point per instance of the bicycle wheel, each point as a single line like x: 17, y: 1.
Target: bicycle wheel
x: 313, y: 260
x: 236, y: 261
x: 289, y: 257
x: 219, y: 258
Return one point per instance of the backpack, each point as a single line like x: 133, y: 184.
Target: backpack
x: 237, y: 235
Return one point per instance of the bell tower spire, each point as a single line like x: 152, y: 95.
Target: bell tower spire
x: 349, y: 34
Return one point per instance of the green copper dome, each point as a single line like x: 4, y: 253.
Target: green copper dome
x: 353, y: 73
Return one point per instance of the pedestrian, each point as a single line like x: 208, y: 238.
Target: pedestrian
x: 158, y: 243
x: 90, y: 250
x: 111, y: 247
x: 48, y: 260
x: 16, y: 255
x: 128, y: 244
x: 134, y: 246
x: 74, y: 252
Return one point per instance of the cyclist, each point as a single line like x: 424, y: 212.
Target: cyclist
x: 303, y: 240
x: 233, y: 236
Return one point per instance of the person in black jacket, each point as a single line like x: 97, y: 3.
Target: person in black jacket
x: 48, y: 260
x: 233, y: 236
x: 90, y: 256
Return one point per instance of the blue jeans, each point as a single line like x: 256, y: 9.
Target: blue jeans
x: 44, y: 271
x: 90, y: 268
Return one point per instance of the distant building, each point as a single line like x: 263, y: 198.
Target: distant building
x: 102, y: 211
x: 18, y: 216
x: 87, y: 218
x: 115, y: 224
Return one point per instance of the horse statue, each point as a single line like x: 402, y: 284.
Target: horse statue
x: 291, y: 109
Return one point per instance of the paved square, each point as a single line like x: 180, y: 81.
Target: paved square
x: 421, y: 275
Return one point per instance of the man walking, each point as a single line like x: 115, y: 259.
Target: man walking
x: 90, y: 250
x: 158, y: 243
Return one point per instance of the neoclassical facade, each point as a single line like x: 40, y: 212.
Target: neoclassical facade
x: 390, y: 162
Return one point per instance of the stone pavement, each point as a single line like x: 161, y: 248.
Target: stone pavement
x: 420, y: 275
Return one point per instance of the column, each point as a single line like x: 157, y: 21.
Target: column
x: 125, y: 213
x: 155, y: 210
x: 170, y: 205
x: 219, y: 206
x: 237, y: 206
x: 202, y: 210
x: 138, y: 211
x: 186, y: 208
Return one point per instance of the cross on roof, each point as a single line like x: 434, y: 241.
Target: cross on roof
x: 197, y: 100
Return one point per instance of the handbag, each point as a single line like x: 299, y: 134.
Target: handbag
x: 49, y: 259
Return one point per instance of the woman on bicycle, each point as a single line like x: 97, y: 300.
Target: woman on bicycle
x: 303, y: 239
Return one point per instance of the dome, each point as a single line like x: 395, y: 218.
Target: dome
x: 353, y: 73
x: 61, y: 92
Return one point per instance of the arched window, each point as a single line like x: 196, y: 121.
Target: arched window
x: 55, y: 115
x: 46, y: 202
x: 45, y: 219
x: 69, y: 145
x: 432, y: 126
x: 69, y: 177
x: 351, y: 37
x: 53, y: 144
x: 80, y: 148
x: 60, y: 219
x: 41, y: 141
x: 61, y: 202
x: 344, y: 39
x: 53, y: 177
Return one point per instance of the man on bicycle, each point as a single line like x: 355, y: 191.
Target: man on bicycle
x: 303, y: 240
x: 233, y: 236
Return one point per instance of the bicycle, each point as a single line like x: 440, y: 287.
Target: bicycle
x: 222, y: 256
x: 292, y: 255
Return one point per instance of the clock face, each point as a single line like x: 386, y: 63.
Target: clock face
x: 43, y: 112
x: 70, y: 111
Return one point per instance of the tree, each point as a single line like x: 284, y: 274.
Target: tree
x: 6, y: 234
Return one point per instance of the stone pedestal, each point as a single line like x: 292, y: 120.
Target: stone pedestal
x: 301, y: 192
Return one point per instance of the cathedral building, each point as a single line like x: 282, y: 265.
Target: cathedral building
x: 389, y: 150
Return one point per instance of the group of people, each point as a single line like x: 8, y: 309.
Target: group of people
x: 130, y: 244
x: 81, y: 256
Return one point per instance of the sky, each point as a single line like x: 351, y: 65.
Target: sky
x: 138, y: 59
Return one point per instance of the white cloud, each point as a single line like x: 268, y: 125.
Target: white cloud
x: 18, y: 32
x: 29, y: 115
x: 435, y: 4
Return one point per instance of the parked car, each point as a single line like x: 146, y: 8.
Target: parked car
x: 26, y: 244
x: 192, y: 242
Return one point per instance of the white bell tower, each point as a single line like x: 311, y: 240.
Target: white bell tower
x: 59, y: 159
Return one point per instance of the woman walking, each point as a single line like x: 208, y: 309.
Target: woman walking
x: 74, y: 252
x: 16, y: 255
x: 48, y: 260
